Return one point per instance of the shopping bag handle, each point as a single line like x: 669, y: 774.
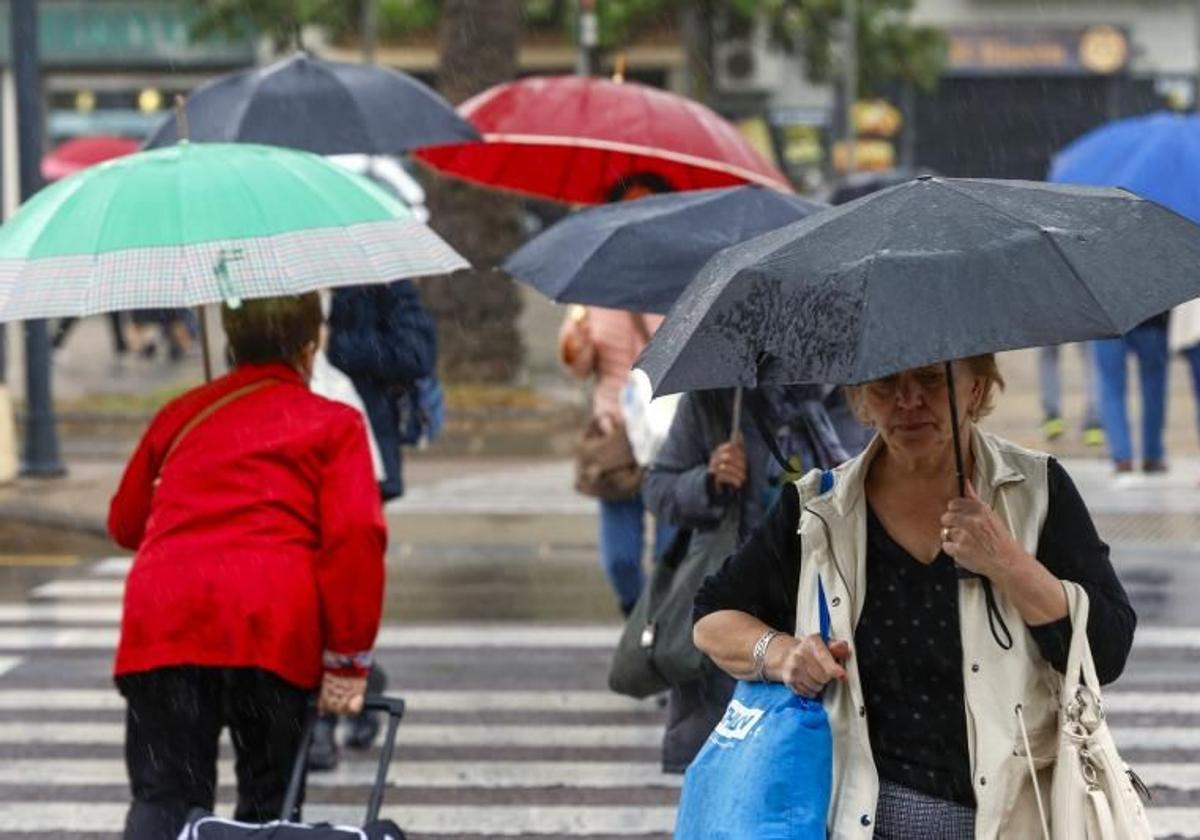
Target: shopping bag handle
x: 822, y: 605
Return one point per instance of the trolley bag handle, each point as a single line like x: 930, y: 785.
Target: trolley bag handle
x: 394, y: 707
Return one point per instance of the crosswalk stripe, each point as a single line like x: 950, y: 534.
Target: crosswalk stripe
x: 476, y: 774
x: 7, y: 663
x: 520, y: 735
x: 401, y: 774
x: 561, y: 637
x: 86, y: 699
x: 112, y: 567
x: 1175, y: 822
x: 60, y: 613
x: 498, y: 635
x: 495, y: 820
x: 98, y: 699
x: 490, y: 820
x: 418, y: 734
x: 59, y: 817
x: 390, y: 638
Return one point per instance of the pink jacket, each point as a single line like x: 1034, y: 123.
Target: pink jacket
x: 607, y: 342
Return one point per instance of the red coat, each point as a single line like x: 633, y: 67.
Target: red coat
x: 262, y: 544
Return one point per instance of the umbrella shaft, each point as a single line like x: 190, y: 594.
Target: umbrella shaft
x: 958, y: 454
x: 736, y: 424
x: 202, y: 318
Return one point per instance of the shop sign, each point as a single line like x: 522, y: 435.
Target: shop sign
x: 1092, y: 50
x: 124, y: 33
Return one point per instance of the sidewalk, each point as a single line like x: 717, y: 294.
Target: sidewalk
x: 496, y: 471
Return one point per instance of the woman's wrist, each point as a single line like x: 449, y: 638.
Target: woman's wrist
x: 1032, y: 589
x: 774, y: 657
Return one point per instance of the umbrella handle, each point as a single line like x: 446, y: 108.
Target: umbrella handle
x: 958, y: 454
x: 735, y: 426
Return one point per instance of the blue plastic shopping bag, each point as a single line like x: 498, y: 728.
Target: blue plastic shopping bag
x: 766, y: 771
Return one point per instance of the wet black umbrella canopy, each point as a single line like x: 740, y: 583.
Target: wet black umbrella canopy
x: 928, y: 271
x: 326, y: 107
x: 641, y: 255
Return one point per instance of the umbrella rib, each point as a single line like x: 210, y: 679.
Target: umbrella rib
x: 1047, y: 237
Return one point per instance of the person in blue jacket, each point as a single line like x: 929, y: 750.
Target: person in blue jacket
x: 385, y: 341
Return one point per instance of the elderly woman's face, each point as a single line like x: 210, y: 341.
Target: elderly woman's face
x: 911, y: 410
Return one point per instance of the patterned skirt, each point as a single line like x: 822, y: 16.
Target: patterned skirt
x: 906, y: 814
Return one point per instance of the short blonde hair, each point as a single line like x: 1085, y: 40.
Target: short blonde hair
x: 984, y: 366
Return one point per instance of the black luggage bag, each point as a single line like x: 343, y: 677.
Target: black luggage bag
x: 202, y: 825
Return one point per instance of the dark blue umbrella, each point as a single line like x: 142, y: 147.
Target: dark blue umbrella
x: 326, y: 107
x: 1156, y: 156
x: 640, y: 255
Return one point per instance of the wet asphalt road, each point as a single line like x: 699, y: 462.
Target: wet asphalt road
x: 499, y: 627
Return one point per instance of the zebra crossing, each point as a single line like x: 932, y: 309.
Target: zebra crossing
x: 510, y: 730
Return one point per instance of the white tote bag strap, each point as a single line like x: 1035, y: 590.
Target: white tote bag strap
x: 1099, y: 817
x: 1081, y: 669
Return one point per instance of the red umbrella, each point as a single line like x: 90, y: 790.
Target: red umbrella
x: 82, y: 152
x: 574, y: 138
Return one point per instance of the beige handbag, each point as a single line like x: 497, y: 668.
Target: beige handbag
x: 1094, y: 794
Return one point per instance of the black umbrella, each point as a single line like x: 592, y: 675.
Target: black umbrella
x: 641, y: 255
x: 928, y: 271
x: 327, y: 107
x: 858, y: 184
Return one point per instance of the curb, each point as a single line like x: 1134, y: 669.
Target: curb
x: 24, y: 513
x: 501, y: 431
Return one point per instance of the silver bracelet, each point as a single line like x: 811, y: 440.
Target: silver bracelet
x: 760, y: 654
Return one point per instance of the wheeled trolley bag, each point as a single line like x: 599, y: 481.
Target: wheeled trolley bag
x: 202, y: 825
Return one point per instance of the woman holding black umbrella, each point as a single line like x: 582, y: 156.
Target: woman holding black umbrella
x: 944, y: 608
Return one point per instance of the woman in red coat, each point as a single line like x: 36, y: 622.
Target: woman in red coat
x: 252, y: 506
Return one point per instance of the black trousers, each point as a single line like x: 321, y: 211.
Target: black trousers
x: 174, y: 720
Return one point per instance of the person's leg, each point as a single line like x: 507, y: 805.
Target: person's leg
x: 266, y: 717
x: 621, y: 535
x: 1050, y: 385
x: 62, y: 330
x: 663, y: 534
x: 1091, y: 395
x: 323, y: 752
x: 1110, y: 371
x: 116, y: 325
x: 1150, y: 345
x: 1192, y: 354
x: 173, y: 722
x: 364, y: 726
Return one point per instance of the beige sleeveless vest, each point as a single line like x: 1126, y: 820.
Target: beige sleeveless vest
x: 833, y: 546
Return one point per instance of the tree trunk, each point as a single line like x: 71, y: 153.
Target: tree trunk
x: 699, y: 47
x: 476, y: 310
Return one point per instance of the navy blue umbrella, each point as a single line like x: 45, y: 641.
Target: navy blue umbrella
x: 326, y: 107
x: 640, y: 255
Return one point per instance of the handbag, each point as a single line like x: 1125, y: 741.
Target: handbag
x: 766, y: 771
x: 1094, y: 795
x: 605, y: 465
x: 656, y: 651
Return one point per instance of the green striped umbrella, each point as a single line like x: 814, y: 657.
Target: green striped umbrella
x: 203, y: 223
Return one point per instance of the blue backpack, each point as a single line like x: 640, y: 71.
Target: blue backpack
x: 766, y: 771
